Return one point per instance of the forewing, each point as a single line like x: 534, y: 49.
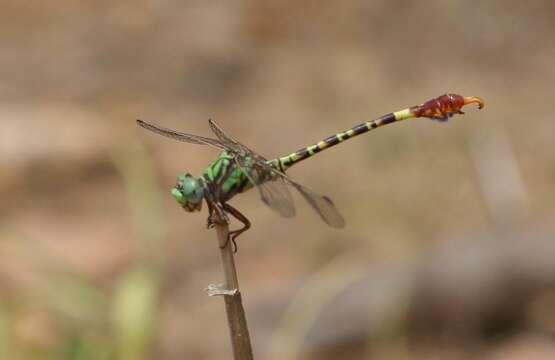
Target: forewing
x: 176, y: 135
x: 228, y: 140
x: 320, y: 203
x: 274, y: 193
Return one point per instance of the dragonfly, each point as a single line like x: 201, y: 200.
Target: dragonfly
x: 238, y: 169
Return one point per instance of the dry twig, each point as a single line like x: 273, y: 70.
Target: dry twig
x: 237, y: 322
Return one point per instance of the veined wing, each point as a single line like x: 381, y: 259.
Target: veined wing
x: 323, y: 206
x: 231, y: 142
x: 320, y: 203
x: 272, y: 190
x: 176, y: 135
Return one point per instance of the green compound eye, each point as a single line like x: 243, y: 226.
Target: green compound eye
x: 191, y: 189
x: 196, y: 195
x: 188, y: 190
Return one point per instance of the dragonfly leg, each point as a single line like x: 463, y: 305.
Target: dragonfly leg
x: 242, y: 218
x: 210, y: 220
x: 216, y: 214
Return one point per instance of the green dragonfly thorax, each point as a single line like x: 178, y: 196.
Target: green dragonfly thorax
x: 226, y: 177
x: 188, y: 192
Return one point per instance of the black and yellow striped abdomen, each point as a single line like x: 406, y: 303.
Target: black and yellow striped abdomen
x: 304, y: 153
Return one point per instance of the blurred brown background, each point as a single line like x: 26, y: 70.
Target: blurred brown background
x: 448, y: 252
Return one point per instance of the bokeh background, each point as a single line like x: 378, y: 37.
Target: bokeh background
x: 449, y: 251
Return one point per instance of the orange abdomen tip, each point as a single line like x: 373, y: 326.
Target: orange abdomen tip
x: 445, y: 106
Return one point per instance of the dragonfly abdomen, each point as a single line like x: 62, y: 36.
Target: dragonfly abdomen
x: 440, y: 108
x: 304, y: 153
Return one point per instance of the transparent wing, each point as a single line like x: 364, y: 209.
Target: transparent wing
x: 231, y: 142
x: 274, y: 193
x: 320, y: 203
x: 323, y: 206
x: 218, y: 131
x: 176, y: 135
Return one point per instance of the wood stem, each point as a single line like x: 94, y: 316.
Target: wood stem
x: 237, y: 322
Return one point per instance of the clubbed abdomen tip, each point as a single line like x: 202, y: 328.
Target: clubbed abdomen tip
x: 445, y: 106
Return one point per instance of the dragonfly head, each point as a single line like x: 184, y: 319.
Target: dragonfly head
x: 189, y: 192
